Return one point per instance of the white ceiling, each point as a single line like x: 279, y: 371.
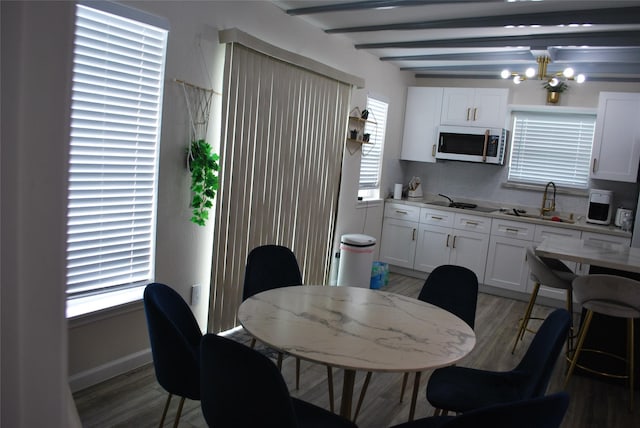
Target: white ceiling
x: 598, y: 38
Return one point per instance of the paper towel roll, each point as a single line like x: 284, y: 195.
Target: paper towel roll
x: 397, y: 191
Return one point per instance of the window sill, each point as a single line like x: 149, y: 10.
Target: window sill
x: 103, y: 305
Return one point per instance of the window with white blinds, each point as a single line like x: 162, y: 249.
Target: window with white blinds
x: 118, y: 80
x: 551, y: 147
x: 372, y: 153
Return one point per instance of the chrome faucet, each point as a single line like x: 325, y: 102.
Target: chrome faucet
x: 548, y: 204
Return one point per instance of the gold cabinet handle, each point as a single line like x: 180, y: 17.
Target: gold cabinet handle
x: 454, y: 241
x: 475, y: 114
x: 413, y: 235
x: 508, y: 229
x: 468, y: 113
x: 433, y: 151
x: 593, y: 168
x: 448, y: 236
x: 401, y: 212
x: 472, y: 223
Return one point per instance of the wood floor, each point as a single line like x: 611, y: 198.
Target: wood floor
x: 136, y: 400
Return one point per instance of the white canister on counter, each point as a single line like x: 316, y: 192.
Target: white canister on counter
x: 397, y: 191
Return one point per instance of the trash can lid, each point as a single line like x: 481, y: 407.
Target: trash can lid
x: 358, y: 240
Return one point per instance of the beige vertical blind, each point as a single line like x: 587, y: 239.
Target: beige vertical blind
x: 281, y: 164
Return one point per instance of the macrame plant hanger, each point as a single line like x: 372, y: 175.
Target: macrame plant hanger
x: 198, y: 102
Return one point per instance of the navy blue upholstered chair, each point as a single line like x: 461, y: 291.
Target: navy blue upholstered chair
x: 452, y: 288
x: 540, y: 412
x: 461, y: 389
x: 243, y: 388
x: 175, y: 338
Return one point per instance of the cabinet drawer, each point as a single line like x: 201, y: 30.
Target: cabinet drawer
x: 604, y: 238
x: 542, y: 232
x: 401, y: 211
x: 512, y: 229
x: 463, y: 221
x: 436, y: 218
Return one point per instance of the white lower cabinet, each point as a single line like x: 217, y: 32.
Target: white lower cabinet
x: 399, y: 234
x: 506, y: 259
x: 452, y: 238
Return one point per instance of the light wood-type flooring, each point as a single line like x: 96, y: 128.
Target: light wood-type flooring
x: 136, y: 400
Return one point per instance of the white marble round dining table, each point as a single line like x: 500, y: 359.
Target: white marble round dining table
x: 356, y: 329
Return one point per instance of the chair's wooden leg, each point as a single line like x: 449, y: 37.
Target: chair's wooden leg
x: 527, y: 315
x: 279, y: 364
x: 164, y: 412
x: 581, y: 337
x: 330, y: 381
x: 363, y: 392
x: 179, y: 412
x: 630, y: 356
x: 414, y: 396
x: 571, y: 332
x: 297, y: 373
x: 405, y: 378
x: 436, y: 412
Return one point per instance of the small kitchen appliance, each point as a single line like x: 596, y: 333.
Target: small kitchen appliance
x: 624, y: 217
x: 600, y: 202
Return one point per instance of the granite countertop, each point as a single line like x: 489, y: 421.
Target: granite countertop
x: 530, y: 216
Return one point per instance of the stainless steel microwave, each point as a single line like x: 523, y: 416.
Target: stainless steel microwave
x: 472, y: 144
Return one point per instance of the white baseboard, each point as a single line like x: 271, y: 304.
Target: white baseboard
x: 111, y: 369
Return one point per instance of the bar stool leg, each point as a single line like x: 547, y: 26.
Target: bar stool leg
x: 527, y: 315
x: 571, y: 332
x: 581, y: 337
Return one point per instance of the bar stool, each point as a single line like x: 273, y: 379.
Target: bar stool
x: 551, y: 273
x: 611, y: 295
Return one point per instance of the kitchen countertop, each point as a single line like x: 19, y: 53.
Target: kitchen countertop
x: 578, y: 224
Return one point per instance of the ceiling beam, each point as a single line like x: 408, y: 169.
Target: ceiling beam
x: 624, y: 15
x: 376, y: 4
x: 594, y: 38
x: 599, y: 68
x: 621, y: 79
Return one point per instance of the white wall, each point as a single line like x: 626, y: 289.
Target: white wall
x: 36, y: 89
x: 98, y: 345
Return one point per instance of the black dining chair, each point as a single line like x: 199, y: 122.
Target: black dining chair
x: 540, y: 412
x: 452, y: 288
x: 462, y: 389
x: 175, y: 338
x: 274, y: 266
x: 241, y: 388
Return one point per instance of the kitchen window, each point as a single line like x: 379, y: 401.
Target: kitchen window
x: 118, y: 81
x: 551, y: 146
x: 371, y: 163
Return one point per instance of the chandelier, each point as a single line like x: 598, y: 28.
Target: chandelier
x: 553, y: 80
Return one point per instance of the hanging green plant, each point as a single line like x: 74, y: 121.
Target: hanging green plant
x: 203, y: 164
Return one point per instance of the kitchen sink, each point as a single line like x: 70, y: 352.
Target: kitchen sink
x: 557, y: 219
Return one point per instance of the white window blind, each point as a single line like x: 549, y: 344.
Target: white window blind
x: 551, y: 147
x: 118, y: 81
x: 372, y: 153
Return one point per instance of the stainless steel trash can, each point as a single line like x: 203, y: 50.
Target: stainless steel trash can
x: 356, y: 260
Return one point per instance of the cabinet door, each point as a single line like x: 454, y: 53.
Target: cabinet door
x: 398, y: 243
x: 616, y: 144
x: 434, y: 245
x: 506, y: 263
x: 490, y: 107
x: 541, y: 232
x: 457, y: 106
x: 421, y: 120
x: 469, y: 249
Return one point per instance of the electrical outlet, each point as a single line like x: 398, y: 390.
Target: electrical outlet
x: 195, y: 294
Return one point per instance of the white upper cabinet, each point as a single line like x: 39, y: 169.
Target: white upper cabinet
x: 484, y: 107
x: 616, y: 144
x: 421, y: 120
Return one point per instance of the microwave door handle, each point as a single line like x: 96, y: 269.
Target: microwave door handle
x: 486, y: 142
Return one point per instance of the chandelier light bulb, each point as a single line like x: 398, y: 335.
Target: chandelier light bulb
x: 517, y: 79
x: 568, y: 72
x: 505, y: 74
x: 554, y: 82
x: 580, y: 78
x: 530, y: 72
